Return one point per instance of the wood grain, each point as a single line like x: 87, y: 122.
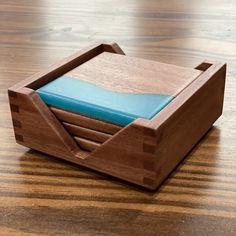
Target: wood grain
x: 38, y: 192
x: 87, y: 133
x: 86, y: 144
x: 134, y: 75
x: 86, y: 122
x: 136, y: 153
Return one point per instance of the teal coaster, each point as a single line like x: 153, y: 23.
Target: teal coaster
x: 86, y: 98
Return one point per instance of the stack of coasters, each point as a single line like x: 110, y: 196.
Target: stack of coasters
x: 118, y: 95
x: 115, y: 89
x: 73, y: 94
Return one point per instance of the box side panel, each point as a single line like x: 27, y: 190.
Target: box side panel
x: 125, y: 157
x: 179, y: 131
x: 36, y: 127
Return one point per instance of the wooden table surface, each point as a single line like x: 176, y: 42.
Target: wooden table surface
x: 42, y: 195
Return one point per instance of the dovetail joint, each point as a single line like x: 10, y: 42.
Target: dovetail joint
x: 149, y: 148
x: 149, y: 132
x: 14, y: 108
x: 16, y: 123
x: 12, y: 94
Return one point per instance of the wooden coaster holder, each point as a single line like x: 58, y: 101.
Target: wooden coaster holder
x: 143, y: 152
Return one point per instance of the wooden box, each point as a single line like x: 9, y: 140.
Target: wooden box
x: 144, y: 151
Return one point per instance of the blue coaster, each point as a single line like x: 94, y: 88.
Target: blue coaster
x: 85, y: 98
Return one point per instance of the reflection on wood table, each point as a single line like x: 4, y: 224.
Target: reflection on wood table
x: 40, y: 194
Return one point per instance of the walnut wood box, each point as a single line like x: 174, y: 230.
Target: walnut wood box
x: 143, y: 152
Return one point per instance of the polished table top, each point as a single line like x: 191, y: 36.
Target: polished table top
x: 42, y: 195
